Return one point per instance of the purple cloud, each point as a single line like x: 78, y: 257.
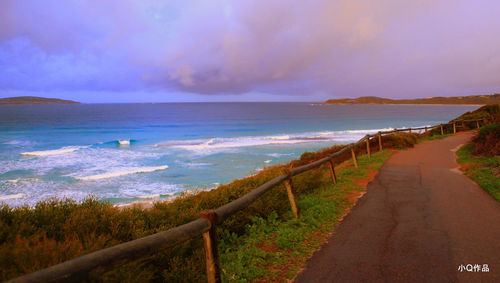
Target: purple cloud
x: 342, y: 48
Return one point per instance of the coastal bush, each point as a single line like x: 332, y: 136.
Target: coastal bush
x: 480, y: 159
x: 400, y: 140
x: 487, y: 141
x: 487, y: 111
x: 32, y: 238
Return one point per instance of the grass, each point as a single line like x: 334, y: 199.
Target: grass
x: 262, y: 242
x: 433, y: 137
x: 483, y: 170
x: 486, y: 111
x: 58, y: 230
x: 274, y: 250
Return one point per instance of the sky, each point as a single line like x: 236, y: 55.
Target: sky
x: 248, y: 50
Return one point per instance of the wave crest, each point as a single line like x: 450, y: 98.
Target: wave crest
x: 122, y: 172
x: 62, y: 150
x: 124, y: 142
x: 235, y: 142
x: 16, y: 196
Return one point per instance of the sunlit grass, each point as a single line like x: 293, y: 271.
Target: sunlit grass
x: 274, y: 250
x: 483, y: 170
x: 58, y: 230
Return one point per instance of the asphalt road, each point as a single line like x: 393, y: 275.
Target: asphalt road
x: 419, y: 221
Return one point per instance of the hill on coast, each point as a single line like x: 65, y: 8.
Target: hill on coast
x: 20, y: 100
x: 457, y: 100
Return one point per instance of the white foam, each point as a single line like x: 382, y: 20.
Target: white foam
x: 19, y: 142
x: 149, y: 196
x: 285, y: 137
x: 62, y: 150
x: 248, y: 141
x: 268, y: 161
x: 16, y: 181
x: 122, y: 172
x: 16, y: 196
x: 197, y: 164
x: 367, y: 131
x: 124, y: 142
x: 276, y: 155
x: 227, y: 143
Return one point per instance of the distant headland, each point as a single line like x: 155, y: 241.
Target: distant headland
x: 22, y: 100
x: 456, y: 100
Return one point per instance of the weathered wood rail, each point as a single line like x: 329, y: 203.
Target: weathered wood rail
x: 79, y: 268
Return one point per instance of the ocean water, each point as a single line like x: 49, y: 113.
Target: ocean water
x: 131, y: 152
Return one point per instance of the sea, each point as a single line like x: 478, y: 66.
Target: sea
x: 125, y: 153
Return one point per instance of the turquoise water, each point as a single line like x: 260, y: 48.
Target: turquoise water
x: 130, y: 152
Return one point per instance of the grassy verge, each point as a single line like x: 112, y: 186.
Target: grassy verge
x: 433, y: 137
x: 483, y: 170
x: 274, y: 250
x: 58, y: 230
x: 262, y: 242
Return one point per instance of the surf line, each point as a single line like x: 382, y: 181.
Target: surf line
x: 126, y: 171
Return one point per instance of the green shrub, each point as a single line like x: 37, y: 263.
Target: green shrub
x: 58, y: 230
x: 487, y: 141
x: 487, y: 111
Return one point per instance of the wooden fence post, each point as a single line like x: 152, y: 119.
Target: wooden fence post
x: 368, y: 147
x: 332, y: 172
x: 442, y: 132
x: 477, y: 124
x: 211, y: 249
x: 354, y: 160
x: 410, y: 130
x: 454, y: 127
x: 380, y: 141
x: 425, y: 129
x: 291, y: 195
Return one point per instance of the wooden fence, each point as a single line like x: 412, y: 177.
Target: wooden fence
x: 78, y: 269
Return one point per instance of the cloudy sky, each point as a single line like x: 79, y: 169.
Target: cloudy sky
x: 248, y: 50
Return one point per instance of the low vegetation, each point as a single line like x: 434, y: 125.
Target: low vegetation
x: 487, y: 141
x: 20, y: 100
x: 480, y: 159
x: 58, y: 230
x: 483, y: 170
x: 273, y: 250
x: 487, y: 111
x: 262, y: 241
x: 472, y: 99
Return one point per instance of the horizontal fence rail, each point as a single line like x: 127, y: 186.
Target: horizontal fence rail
x: 105, y: 259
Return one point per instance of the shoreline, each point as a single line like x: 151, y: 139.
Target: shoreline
x: 147, y: 204
x: 433, y: 104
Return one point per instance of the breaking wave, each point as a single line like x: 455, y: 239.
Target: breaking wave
x: 122, y: 172
x: 15, y: 196
x: 235, y: 142
x: 124, y: 142
x: 62, y: 150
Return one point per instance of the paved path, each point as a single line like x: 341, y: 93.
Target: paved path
x: 419, y: 220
